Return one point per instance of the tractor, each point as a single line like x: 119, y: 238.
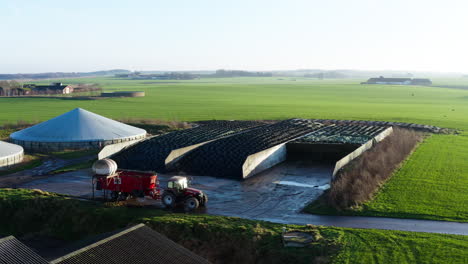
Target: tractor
x: 178, y: 192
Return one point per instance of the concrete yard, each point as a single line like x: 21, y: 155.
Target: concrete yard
x: 282, y: 190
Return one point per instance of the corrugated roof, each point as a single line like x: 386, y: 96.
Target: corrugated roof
x: 138, y: 244
x: 8, y: 149
x: 78, y: 125
x: 12, y: 251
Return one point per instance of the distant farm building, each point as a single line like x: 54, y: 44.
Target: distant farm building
x: 53, y: 88
x: 398, y: 81
x: 77, y: 129
x: 10, y: 154
x: 14, y: 91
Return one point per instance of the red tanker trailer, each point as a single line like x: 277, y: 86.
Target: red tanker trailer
x: 123, y: 184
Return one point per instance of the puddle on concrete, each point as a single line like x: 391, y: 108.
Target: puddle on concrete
x: 291, y: 183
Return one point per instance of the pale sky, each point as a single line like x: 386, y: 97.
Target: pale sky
x: 88, y: 35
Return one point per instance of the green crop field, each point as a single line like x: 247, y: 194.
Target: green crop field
x: 257, y: 98
x: 437, y: 171
x: 432, y: 184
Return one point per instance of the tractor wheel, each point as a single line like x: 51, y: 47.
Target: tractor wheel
x: 114, y: 195
x: 169, y: 200
x: 123, y: 196
x: 205, y: 200
x: 191, y: 204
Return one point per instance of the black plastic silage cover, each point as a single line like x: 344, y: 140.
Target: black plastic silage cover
x: 150, y: 154
x: 225, y: 157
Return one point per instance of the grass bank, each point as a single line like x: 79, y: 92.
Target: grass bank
x: 220, y: 239
x: 432, y: 184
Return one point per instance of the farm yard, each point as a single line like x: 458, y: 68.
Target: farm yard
x: 430, y: 184
x: 271, y: 98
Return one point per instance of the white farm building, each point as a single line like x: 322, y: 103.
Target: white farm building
x: 10, y: 154
x: 77, y: 129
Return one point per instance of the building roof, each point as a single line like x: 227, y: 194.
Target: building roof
x: 78, y: 125
x: 383, y: 79
x: 12, y: 251
x: 138, y: 244
x: 8, y: 149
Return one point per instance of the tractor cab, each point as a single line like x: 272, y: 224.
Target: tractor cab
x: 178, y: 191
x: 177, y: 183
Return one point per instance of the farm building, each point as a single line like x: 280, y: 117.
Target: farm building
x: 77, y: 129
x: 10, y: 154
x: 137, y: 244
x: 398, y: 81
x: 53, y: 88
x: 12, y: 251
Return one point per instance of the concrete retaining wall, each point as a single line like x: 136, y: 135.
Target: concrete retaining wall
x: 176, y: 154
x: 356, y: 153
x: 11, y: 160
x: 263, y: 160
x: 110, y: 150
x: 58, y: 146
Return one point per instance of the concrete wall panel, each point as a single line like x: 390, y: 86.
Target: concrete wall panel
x: 263, y: 160
x: 369, y: 144
x: 8, y: 161
x: 112, y: 149
x: 176, y: 154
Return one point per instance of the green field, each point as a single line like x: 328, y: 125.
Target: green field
x: 28, y: 213
x: 379, y: 246
x: 257, y: 98
x: 431, y: 184
x: 437, y: 170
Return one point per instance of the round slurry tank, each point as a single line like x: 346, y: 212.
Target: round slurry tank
x: 124, y: 94
x: 10, y: 154
x: 77, y: 129
x: 105, y: 167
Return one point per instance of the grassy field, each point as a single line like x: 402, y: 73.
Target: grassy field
x: 28, y: 213
x: 257, y: 98
x: 431, y: 184
x: 378, y: 246
x: 433, y: 171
